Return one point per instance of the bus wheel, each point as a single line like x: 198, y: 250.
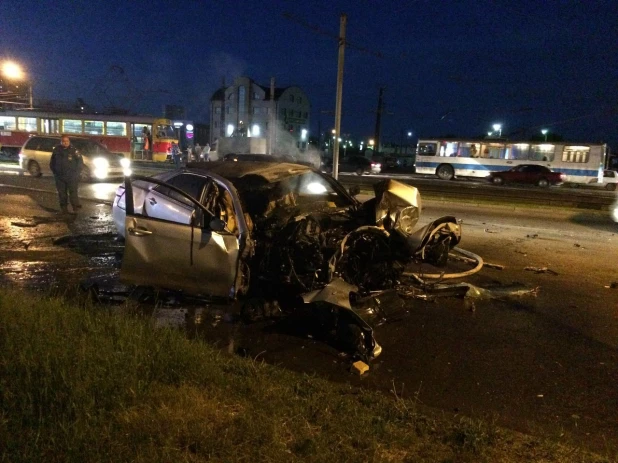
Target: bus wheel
x: 34, y: 169
x: 445, y: 172
x: 610, y: 187
x: 84, y: 174
x: 498, y: 181
x: 543, y: 183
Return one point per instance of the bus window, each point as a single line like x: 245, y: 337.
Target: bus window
x: 93, y: 127
x: 519, y: 151
x: 7, y: 123
x: 71, y: 126
x: 426, y: 149
x: 576, y: 154
x: 449, y: 148
x: 544, y: 152
x: 494, y: 152
x: 468, y: 150
x: 118, y: 129
x: 27, y: 124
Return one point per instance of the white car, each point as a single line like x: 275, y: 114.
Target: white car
x: 610, y: 179
x: 99, y: 162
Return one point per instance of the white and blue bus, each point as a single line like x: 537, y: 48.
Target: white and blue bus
x: 580, y: 163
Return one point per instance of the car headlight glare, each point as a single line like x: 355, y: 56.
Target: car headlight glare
x: 126, y: 163
x: 100, y: 163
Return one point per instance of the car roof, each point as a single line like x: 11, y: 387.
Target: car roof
x: 269, y: 170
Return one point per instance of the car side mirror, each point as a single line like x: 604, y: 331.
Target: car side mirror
x: 197, y: 218
x: 217, y: 225
x: 354, y: 190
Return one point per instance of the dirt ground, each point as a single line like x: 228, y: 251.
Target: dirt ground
x: 545, y: 364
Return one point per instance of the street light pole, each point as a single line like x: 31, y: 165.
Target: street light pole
x: 30, y: 94
x: 342, y: 25
x: 544, y: 132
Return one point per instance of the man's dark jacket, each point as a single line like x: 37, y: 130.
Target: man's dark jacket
x: 66, y: 163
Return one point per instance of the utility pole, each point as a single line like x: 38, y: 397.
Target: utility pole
x: 377, y: 134
x: 342, y: 25
x: 272, y: 118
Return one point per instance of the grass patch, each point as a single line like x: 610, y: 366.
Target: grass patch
x: 81, y: 383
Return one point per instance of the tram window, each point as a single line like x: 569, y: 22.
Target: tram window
x: 27, y: 124
x: 165, y: 131
x: 579, y: 154
x: 7, y: 123
x: 93, y: 127
x: 118, y: 129
x: 71, y: 126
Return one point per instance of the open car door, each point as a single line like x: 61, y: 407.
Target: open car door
x: 186, y: 254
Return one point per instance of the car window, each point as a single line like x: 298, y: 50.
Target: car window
x: 609, y: 173
x: 189, y: 183
x: 48, y: 144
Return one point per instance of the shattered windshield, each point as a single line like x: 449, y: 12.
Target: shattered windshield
x: 305, y: 193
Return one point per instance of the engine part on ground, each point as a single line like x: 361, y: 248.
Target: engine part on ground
x: 421, y: 277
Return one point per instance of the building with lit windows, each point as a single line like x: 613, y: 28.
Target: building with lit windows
x: 244, y: 109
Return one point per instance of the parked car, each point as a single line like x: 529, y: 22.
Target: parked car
x: 99, y: 162
x: 357, y: 164
x: 610, y: 181
x: 275, y: 231
x: 531, y: 174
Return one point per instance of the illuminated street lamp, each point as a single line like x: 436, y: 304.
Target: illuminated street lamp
x: 498, y: 128
x: 13, y: 71
x: 544, y: 132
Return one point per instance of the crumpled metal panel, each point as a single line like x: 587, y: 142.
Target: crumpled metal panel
x: 398, y: 206
x: 337, y: 292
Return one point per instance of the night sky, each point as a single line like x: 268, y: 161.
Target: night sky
x: 448, y: 67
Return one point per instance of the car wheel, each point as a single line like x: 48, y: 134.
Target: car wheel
x: 351, y: 338
x: 543, y: 183
x: 84, y: 174
x: 610, y: 187
x: 34, y: 169
x: 498, y: 181
x: 445, y: 172
x: 359, y: 171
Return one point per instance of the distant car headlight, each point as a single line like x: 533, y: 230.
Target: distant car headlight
x: 125, y: 163
x: 100, y: 163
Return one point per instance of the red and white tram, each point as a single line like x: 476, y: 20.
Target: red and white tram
x: 136, y: 137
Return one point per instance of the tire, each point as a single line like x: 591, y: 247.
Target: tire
x: 351, y: 338
x: 84, y: 175
x: 445, y: 172
x: 34, y: 169
x: 610, y: 187
x: 359, y: 171
x: 543, y: 183
x: 497, y: 181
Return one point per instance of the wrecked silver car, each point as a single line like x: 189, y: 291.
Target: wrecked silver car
x: 277, y: 236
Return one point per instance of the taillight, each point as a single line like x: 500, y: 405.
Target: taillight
x: 376, y: 164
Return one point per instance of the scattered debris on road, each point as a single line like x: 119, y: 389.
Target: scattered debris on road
x: 541, y: 270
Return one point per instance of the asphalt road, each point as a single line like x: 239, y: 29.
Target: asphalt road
x: 545, y: 364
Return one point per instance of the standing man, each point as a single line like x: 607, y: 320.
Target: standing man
x: 66, y: 164
x: 175, y: 152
